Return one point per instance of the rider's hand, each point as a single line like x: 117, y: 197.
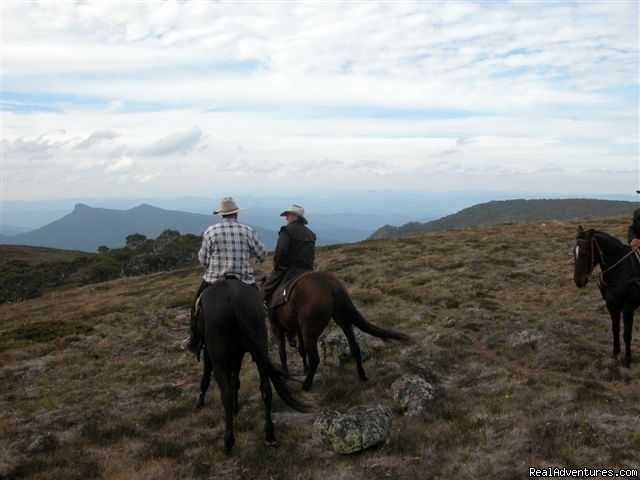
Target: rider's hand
x: 635, y: 244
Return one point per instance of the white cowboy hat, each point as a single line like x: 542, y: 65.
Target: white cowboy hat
x: 296, y: 209
x: 227, y: 207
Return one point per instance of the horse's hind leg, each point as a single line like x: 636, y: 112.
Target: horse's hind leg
x: 303, y: 353
x: 235, y: 384
x: 628, y: 328
x: 615, y: 329
x: 265, y: 391
x: 311, y: 348
x: 282, y: 348
x: 223, y: 377
x: 206, y: 378
x: 347, y: 328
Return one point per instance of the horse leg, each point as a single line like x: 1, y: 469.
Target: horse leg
x: 282, y: 350
x: 347, y: 328
x: 235, y: 375
x: 628, y: 328
x: 314, y: 359
x: 265, y: 391
x: 226, y: 395
x: 206, y: 379
x: 614, y: 313
x: 303, y: 353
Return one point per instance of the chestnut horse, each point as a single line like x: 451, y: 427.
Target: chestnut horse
x: 315, y: 298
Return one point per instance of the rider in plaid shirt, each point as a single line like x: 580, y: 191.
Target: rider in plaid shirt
x: 226, y: 250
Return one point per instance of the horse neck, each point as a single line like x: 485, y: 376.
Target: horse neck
x: 611, y: 249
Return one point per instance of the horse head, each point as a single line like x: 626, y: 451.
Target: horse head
x: 586, y: 256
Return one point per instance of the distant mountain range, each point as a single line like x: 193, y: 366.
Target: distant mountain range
x: 86, y: 228
x: 513, y: 211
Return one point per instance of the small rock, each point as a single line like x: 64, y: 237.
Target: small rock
x: 360, y: 428
x: 412, y: 393
x: 43, y: 443
x: 528, y: 338
x: 335, y: 347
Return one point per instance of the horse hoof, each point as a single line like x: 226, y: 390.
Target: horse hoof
x: 306, y: 387
x: 199, y: 405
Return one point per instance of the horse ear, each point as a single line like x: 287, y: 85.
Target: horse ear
x: 580, y: 230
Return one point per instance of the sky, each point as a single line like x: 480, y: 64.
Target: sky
x: 200, y: 97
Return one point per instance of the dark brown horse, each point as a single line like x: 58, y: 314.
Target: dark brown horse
x: 234, y: 325
x: 314, y: 300
x: 619, y: 280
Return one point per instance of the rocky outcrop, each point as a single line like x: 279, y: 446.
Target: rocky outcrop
x: 412, y: 394
x: 43, y: 442
x: 335, y: 350
x: 358, y: 429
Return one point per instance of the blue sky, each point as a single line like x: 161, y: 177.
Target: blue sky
x: 172, y: 98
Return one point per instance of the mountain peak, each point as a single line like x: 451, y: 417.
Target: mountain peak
x: 80, y: 207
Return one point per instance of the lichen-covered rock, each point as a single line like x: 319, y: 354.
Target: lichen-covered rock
x: 412, y: 394
x: 525, y: 338
x: 335, y: 347
x: 43, y: 443
x: 360, y: 428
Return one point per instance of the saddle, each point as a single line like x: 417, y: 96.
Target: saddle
x: 283, y: 291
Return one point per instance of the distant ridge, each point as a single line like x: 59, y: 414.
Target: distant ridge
x: 513, y: 211
x: 86, y: 228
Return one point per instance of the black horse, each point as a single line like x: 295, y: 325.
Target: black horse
x: 234, y: 324
x: 619, y: 280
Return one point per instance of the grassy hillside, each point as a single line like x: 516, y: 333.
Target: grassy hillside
x: 514, y: 211
x: 520, y: 358
x: 37, y: 255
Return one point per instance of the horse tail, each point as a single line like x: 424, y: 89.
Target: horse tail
x: 260, y: 356
x: 345, y: 304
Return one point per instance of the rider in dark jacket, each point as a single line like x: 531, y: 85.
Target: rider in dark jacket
x: 295, y: 251
x: 634, y: 231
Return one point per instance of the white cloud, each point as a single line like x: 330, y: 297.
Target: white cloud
x: 122, y: 165
x: 96, y: 137
x: 180, y: 142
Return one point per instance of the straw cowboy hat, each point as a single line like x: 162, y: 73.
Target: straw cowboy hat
x: 296, y: 209
x: 227, y: 207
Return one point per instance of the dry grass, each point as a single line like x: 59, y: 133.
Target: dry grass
x: 101, y: 367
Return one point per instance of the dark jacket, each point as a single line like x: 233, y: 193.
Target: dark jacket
x: 634, y: 228
x: 296, y: 248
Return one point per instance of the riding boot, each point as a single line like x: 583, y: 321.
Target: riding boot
x: 195, y: 343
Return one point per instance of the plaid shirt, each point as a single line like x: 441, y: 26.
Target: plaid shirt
x: 227, y: 248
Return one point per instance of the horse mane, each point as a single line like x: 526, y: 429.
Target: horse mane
x: 612, y: 241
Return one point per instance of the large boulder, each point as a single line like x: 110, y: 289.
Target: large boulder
x: 360, y: 428
x: 412, y: 394
x: 334, y: 347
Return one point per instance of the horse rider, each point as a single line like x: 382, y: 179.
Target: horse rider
x: 634, y: 231
x: 295, y: 251
x: 227, y: 248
